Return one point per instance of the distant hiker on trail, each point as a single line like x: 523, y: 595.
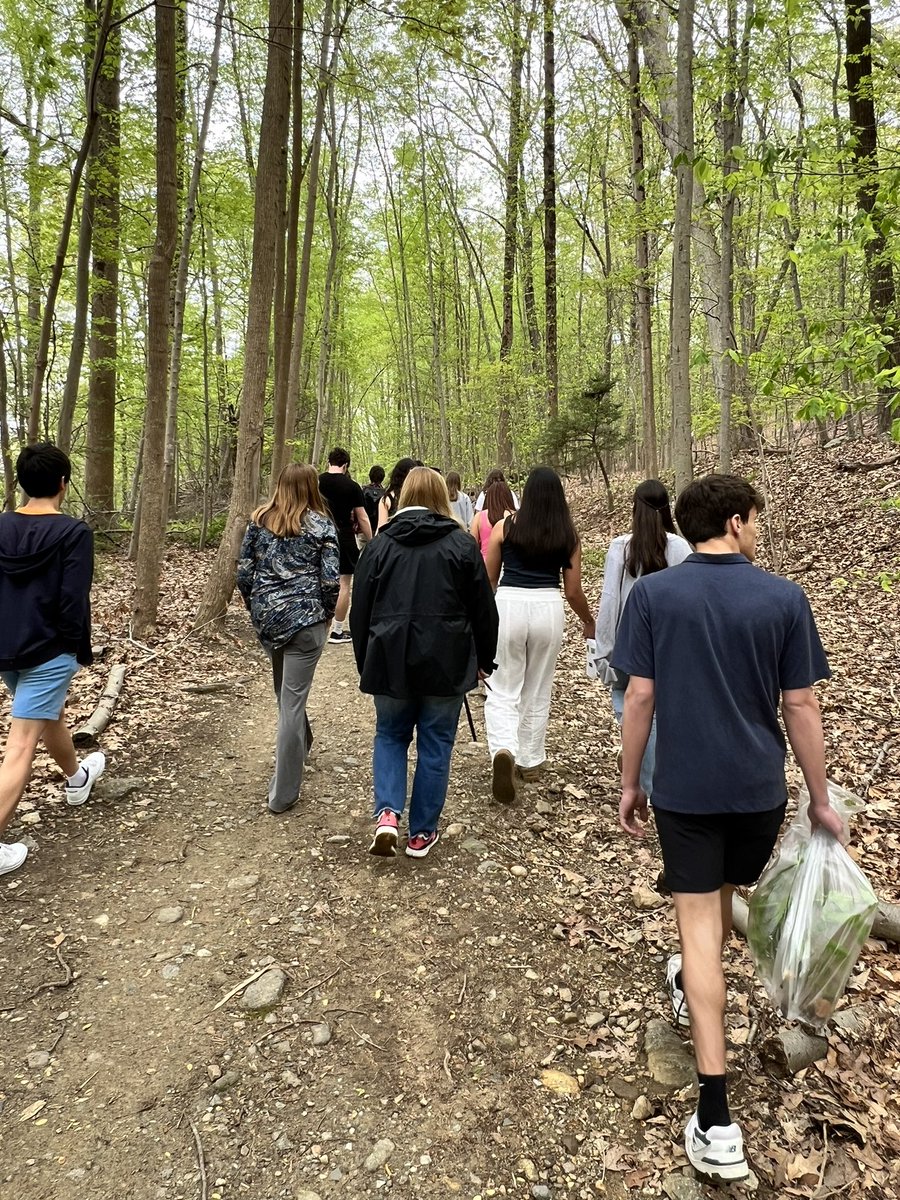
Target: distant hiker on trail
x: 347, y: 507
x: 460, y: 501
x: 532, y: 548
x: 388, y: 504
x: 713, y: 646
x: 499, y: 504
x: 493, y: 476
x: 372, y: 493
x: 289, y: 576
x: 46, y: 568
x: 424, y: 627
x: 651, y: 546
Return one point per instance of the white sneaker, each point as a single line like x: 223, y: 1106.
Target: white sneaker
x: 677, y: 996
x: 718, y: 1153
x: 12, y: 855
x: 95, y: 765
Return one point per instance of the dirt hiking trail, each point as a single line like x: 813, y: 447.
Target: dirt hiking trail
x: 490, y: 1021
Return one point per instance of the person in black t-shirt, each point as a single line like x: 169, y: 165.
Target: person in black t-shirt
x: 714, y: 645
x: 372, y: 493
x: 346, y: 504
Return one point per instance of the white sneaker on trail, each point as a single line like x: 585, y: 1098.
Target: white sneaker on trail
x: 718, y: 1153
x: 12, y: 855
x: 94, y: 765
x: 676, y: 994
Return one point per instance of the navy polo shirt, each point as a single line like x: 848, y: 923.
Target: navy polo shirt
x: 721, y: 639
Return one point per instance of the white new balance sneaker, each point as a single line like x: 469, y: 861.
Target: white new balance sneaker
x: 94, y: 765
x: 718, y: 1153
x: 12, y: 855
x: 677, y: 996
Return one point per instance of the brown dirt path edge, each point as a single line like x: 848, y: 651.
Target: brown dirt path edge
x: 447, y: 986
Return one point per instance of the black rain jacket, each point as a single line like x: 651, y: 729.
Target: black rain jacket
x: 46, y: 568
x: 423, y: 618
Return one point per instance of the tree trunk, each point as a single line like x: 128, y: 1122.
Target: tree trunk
x: 103, y: 184
x: 642, y: 296
x: 325, y: 77
x: 288, y: 306
x: 154, y: 501
x: 42, y: 352
x: 681, y: 251
x: 511, y: 209
x: 879, y: 269
x: 82, y: 279
x: 551, y: 350
x: 9, y: 475
x: 184, y: 258
x: 270, y: 198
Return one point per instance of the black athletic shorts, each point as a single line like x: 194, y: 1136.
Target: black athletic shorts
x: 349, y: 552
x: 701, y: 851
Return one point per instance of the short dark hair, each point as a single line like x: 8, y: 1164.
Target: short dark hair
x: 376, y: 474
x: 40, y: 468
x: 705, y: 506
x: 339, y: 457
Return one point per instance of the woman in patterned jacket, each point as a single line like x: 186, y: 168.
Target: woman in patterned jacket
x: 288, y: 575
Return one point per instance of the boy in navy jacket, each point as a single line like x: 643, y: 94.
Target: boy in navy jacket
x: 46, y: 568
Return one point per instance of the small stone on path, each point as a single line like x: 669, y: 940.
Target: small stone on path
x: 667, y: 1059
x: 338, y: 839
x: 454, y: 830
x: 683, y: 1187
x: 118, y: 789
x: 642, y: 1109
x: 321, y: 1034
x: 38, y: 1059
x: 645, y: 898
x: 593, y: 1019
x: 540, y: 1191
x: 473, y: 846
x: 381, y: 1152
x: 265, y: 992
x: 243, y: 883
x: 303, y: 1194
x: 170, y: 915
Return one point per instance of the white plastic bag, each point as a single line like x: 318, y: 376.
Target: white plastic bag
x: 809, y: 918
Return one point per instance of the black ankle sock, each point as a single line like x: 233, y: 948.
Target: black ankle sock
x: 713, y: 1106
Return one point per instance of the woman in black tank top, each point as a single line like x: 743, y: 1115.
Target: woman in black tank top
x: 527, y: 554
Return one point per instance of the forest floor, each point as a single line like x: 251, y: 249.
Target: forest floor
x: 470, y: 1025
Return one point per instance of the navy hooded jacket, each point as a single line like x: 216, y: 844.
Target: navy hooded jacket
x: 46, y: 568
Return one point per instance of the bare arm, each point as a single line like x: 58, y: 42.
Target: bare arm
x: 575, y: 596
x: 383, y: 515
x: 494, y: 557
x: 803, y: 722
x: 365, y: 525
x: 640, y: 699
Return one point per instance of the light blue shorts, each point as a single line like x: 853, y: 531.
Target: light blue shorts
x: 39, y: 693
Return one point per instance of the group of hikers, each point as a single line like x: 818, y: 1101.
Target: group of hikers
x: 699, y: 649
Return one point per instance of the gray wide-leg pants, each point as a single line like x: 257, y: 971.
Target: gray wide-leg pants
x: 293, y: 668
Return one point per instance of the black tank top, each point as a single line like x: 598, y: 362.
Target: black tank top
x: 525, y: 571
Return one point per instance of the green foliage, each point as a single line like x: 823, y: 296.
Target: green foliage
x: 587, y: 430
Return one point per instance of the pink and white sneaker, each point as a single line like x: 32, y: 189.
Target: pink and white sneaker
x: 420, y: 845
x: 384, y: 843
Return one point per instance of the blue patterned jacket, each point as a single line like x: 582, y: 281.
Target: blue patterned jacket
x: 289, y: 583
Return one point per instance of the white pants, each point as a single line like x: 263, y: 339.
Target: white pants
x: 517, y: 706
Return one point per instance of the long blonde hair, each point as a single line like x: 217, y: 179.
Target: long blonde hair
x: 426, y: 489
x: 296, y: 493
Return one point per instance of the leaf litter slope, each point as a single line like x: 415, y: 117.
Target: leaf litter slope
x: 485, y: 1009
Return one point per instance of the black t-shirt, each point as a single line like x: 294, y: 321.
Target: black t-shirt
x: 342, y: 494
x: 372, y: 493
x: 721, y: 639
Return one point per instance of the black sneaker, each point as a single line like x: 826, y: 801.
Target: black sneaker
x: 339, y: 639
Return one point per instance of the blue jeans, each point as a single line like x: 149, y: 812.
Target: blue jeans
x: 434, y: 720
x: 649, y: 761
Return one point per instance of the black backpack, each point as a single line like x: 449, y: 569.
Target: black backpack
x: 372, y: 494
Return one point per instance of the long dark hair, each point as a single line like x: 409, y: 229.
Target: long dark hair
x: 454, y: 483
x: 650, y: 522
x: 543, y: 525
x: 397, y: 480
x: 498, y: 500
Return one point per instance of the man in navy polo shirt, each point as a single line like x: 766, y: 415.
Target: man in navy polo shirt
x: 714, y: 645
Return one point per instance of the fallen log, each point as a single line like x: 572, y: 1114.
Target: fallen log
x: 868, y: 466
x: 886, y: 926
x: 792, y: 1049
x: 98, y: 720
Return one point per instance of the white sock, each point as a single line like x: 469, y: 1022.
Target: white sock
x: 338, y: 627
x: 79, y: 779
